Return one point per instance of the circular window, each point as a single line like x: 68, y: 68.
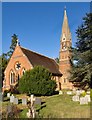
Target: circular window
x: 17, y: 66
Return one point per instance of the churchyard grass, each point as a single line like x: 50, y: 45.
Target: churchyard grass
x: 62, y: 106
x: 56, y: 106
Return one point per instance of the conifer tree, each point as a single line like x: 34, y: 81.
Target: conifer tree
x: 81, y: 73
x: 13, y: 45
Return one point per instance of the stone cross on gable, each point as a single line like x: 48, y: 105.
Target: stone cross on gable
x: 18, y: 43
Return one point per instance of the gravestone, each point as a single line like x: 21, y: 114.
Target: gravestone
x: 8, y: 95
x: 29, y: 113
x: 24, y: 101
x: 37, y: 101
x: 9, y: 108
x: 69, y: 92
x: 83, y: 100
x: 78, y: 93
x: 11, y: 99
x: 60, y: 92
x: 88, y: 92
x: 15, y: 100
x: 88, y: 98
x: 75, y: 98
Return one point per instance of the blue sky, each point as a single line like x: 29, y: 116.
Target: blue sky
x: 38, y: 25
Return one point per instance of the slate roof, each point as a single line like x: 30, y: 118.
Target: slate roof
x: 38, y: 59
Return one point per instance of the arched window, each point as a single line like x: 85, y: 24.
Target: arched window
x: 12, y: 77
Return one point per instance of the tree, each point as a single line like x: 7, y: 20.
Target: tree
x: 3, y: 64
x: 13, y: 45
x: 37, y: 81
x: 81, y: 73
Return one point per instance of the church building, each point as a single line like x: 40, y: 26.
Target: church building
x: 23, y: 59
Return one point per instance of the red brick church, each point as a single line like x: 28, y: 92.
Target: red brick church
x: 23, y: 59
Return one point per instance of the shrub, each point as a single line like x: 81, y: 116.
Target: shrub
x: 5, y: 93
x: 83, y: 94
x: 37, y: 81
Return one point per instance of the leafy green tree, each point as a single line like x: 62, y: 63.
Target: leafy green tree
x: 81, y: 74
x: 13, y: 45
x: 37, y: 81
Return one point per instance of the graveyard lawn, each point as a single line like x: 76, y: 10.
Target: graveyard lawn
x: 56, y: 106
x: 62, y: 106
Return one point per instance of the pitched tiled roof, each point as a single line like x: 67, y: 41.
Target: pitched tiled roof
x: 38, y: 59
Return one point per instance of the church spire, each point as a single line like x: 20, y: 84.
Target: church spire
x: 65, y: 26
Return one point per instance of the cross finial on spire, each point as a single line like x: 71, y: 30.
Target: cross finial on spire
x: 65, y: 8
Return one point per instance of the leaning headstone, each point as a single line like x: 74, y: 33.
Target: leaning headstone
x: 75, y: 98
x: 88, y: 98
x: 83, y: 100
x: 8, y: 95
x: 24, y: 101
x: 60, y: 92
x: 11, y: 99
x: 15, y: 100
x: 37, y: 101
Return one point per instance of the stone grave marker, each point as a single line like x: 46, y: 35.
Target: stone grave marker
x: 24, y: 101
x: 28, y: 113
x: 75, y: 98
x: 83, y: 100
x: 9, y: 108
x: 60, y: 92
x: 8, y: 95
x: 69, y: 92
x: 88, y: 92
x: 88, y: 97
x: 37, y: 101
x: 11, y: 99
x: 78, y: 92
x: 15, y: 100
